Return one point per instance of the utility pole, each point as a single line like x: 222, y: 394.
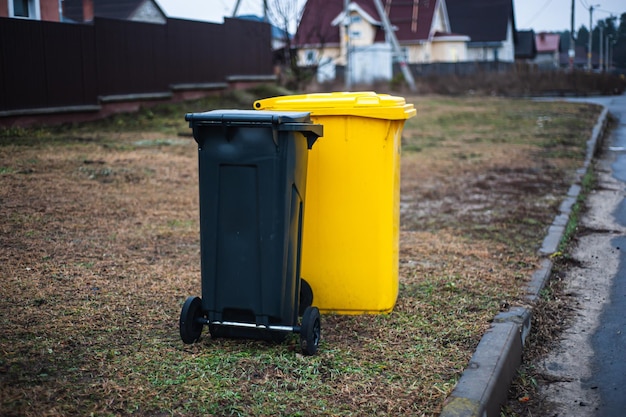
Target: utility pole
x: 590, y: 37
x: 391, y: 36
x: 572, y: 49
x: 601, y: 62
x: 589, y: 63
x: 346, y: 23
x: 606, y: 53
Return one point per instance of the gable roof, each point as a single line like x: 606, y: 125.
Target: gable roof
x: 548, y: 42
x: 111, y: 9
x: 116, y: 9
x: 364, y: 12
x: 481, y: 20
x: 411, y: 19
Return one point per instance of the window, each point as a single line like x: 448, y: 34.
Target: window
x: 310, y: 58
x: 355, y: 19
x: 20, y: 8
x: 25, y: 9
x: 355, y: 34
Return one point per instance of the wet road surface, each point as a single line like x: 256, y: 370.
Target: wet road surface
x: 587, y: 370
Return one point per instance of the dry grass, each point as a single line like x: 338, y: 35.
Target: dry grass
x: 99, y: 247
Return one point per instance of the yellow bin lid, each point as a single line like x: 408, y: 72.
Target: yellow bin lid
x: 363, y: 103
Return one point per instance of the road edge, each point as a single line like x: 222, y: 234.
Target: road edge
x: 484, y: 385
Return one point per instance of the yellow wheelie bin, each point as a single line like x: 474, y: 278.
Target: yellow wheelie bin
x: 351, y: 226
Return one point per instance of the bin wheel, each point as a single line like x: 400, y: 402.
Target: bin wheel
x: 190, y: 326
x: 310, y: 331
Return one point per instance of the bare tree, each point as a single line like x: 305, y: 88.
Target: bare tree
x: 287, y: 15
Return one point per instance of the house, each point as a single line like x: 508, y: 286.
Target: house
x: 490, y: 24
x: 421, y: 27
x: 525, y: 49
x: 31, y: 9
x: 79, y: 11
x: 548, y: 50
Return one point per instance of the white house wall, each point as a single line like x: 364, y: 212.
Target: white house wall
x: 371, y: 63
x: 361, y: 32
x: 449, y: 51
x: 313, y: 56
x: 419, y: 54
x: 481, y: 53
x: 547, y: 59
x: 505, y: 53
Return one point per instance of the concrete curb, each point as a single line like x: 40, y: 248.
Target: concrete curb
x: 483, y: 386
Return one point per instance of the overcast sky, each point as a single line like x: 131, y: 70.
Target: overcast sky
x: 210, y: 10
x: 549, y: 15
x: 555, y: 15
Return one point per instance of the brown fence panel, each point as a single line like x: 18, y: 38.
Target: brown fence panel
x: 48, y: 64
x: 45, y: 64
x: 129, y: 57
x: 250, y: 44
x: 70, y: 64
x: 201, y: 52
x: 23, y: 82
x: 196, y: 52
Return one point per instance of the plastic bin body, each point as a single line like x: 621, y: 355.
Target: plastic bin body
x: 252, y: 177
x: 351, y: 239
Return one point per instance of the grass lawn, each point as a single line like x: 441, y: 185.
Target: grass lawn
x: 99, y: 247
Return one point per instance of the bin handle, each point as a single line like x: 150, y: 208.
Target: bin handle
x: 310, y: 131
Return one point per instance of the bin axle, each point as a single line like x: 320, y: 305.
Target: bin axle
x: 193, y: 319
x: 205, y: 321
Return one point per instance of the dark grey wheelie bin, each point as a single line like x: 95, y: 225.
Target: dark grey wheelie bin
x: 252, y: 180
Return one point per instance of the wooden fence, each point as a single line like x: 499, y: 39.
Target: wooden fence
x: 46, y: 65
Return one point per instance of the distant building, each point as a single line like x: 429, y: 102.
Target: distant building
x: 490, y: 24
x: 548, y: 49
x: 422, y: 29
x: 80, y: 11
x: 525, y: 49
x: 48, y: 10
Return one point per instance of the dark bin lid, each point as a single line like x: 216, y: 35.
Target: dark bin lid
x: 277, y: 120
x: 248, y: 116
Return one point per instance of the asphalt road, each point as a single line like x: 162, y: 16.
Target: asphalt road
x: 585, y: 374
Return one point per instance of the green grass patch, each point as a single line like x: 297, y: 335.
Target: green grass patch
x: 588, y: 183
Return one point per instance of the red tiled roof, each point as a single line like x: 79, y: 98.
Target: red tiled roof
x: 547, y: 42
x: 412, y: 20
